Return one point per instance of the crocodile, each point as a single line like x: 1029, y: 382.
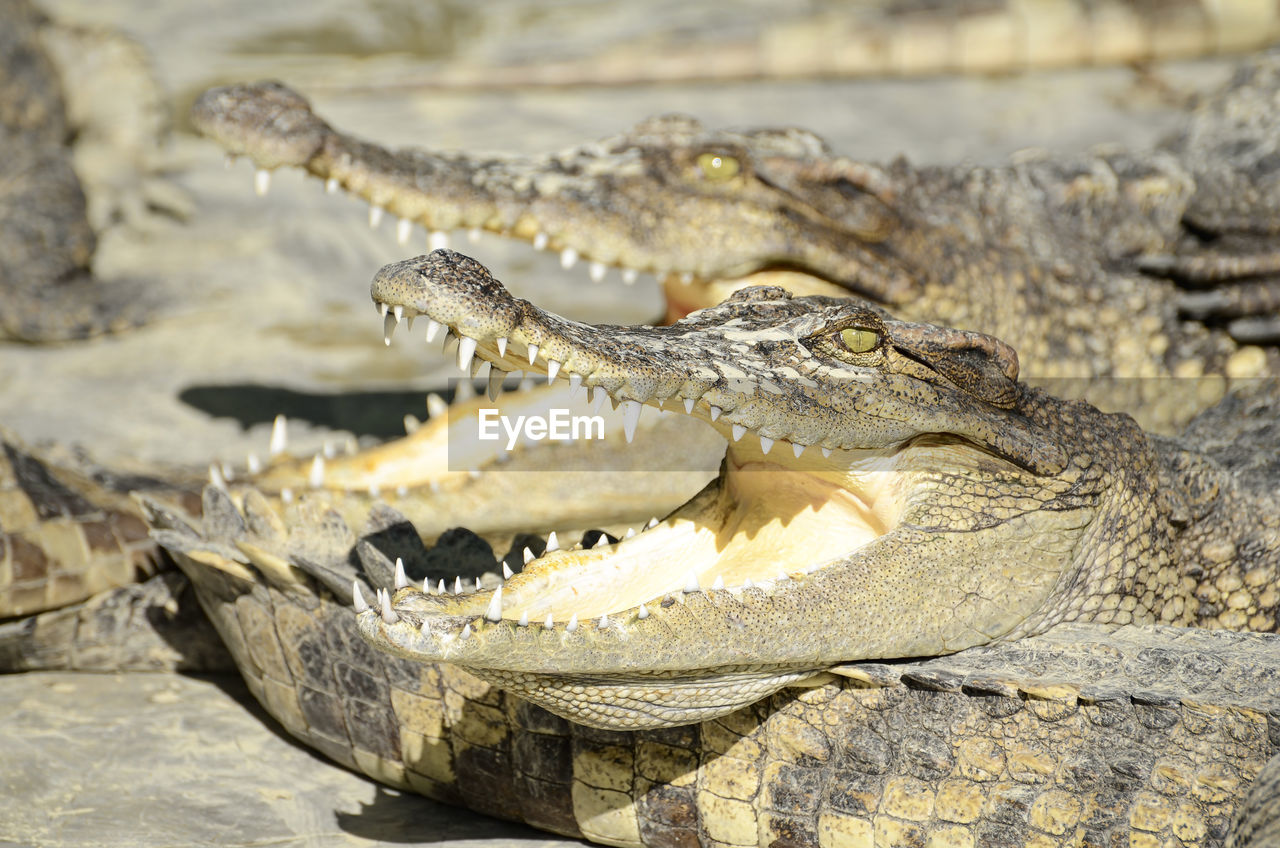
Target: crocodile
x: 1114, y: 263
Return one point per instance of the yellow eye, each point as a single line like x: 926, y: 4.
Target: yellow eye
x: 718, y: 166
x: 858, y: 340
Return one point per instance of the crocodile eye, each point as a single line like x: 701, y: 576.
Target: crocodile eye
x: 858, y: 340
x: 718, y: 166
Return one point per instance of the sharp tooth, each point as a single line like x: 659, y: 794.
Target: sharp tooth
x: 688, y: 405
x: 718, y: 584
x: 629, y: 275
x: 411, y: 424
x: 524, y: 620
x: 466, y: 350
x: 261, y: 182
x: 540, y: 241
x: 464, y: 391
x: 568, y: 258
x: 826, y: 453
x: 686, y: 278
x: 747, y: 584
x: 279, y: 437
x: 286, y: 495
x: 653, y: 522
x: 398, y: 311
x: 330, y: 450
x: 404, y: 229
x: 601, y: 542
x: 494, y: 612
x: 553, y: 544
x: 402, y: 581
x: 388, y: 614
x: 782, y: 576
x: 357, y: 597
x: 643, y: 613
x: 603, y: 622
x: 527, y: 556
x: 598, y: 395
x: 441, y: 588
x: 382, y: 308
x: 466, y: 632
x: 507, y: 573
x: 457, y: 585
x: 797, y: 449
x: 433, y: 329
x: 630, y: 418
x: 765, y: 444
x: 215, y: 477
x: 478, y: 364
x: 438, y: 240
x: 502, y: 345
x: 473, y: 235
x: 691, y: 583
x: 575, y: 383
x: 331, y: 185
x: 436, y: 405
x: 402, y: 491
x: 738, y: 431
x: 596, y: 271
x: 494, y: 388
x: 550, y: 623
x: 533, y: 354
x: 715, y: 412
x: 315, y: 479
x: 253, y: 464
x: 478, y: 587
x: 389, y: 325
x: 408, y: 327
x: 375, y: 216
x: 350, y: 446
x: 573, y: 623
x: 631, y: 531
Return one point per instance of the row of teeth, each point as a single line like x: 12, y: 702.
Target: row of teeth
x: 440, y: 240
x: 470, y: 364
x: 494, y: 611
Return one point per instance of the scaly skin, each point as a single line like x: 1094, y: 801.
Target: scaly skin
x: 948, y: 506
x: 1071, y: 259
x: 1084, y: 735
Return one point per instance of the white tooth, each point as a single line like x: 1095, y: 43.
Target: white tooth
x: 781, y: 576
x: 261, y: 182
x: 478, y: 586
x: 527, y: 556
x: 441, y: 589
x: 457, y: 585
x: 436, y: 405
x: 550, y: 623
x: 797, y: 449
x: 388, y: 614
x: 601, y: 542
x: 715, y: 412
x: 540, y: 241
x: 502, y: 345
x: 286, y: 495
x: 738, y: 431
x: 398, y: 311
x: 411, y: 424
x: 401, y: 579
x: 603, y: 622
x: 350, y: 446
x: 765, y: 444
x: 494, y: 612
x: 433, y: 329
x: 389, y: 325
x: 279, y: 437
x: 253, y: 463
x: 408, y: 327
x: 464, y: 391
x: 402, y: 491
x: 474, y: 473
x: 381, y: 308
x: 573, y: 623
x: 494, y: 386
x: 215, y: 477
x: 473, y: 235
x: 631, y: 531
x: 438, y: 240
x: 507, y: 573
x: 653, y: 522
x: 553, y: 544
x: 331, y: 185
x: 596, y: 271
x: 466, y: 351
x: 747, y: 584
x: 568, y: 258
x: 357, y: 597
x: 524, y: 620
x: 315, y: 478
x: 466, y: 632
x: 329, y: 449
x: 826, y: 452
x: 598, y: 395
x: 575, y: 383
x: 533, y: 354
x: 375, y: 216
x: 553, y: 368
x: 718, y: 584
x: 629, y: 275
x: 630, y: 418
x: 643, y: 613
x: 688, y: 405
x: 691, y: 582
x: 404, y: 229
x: 686, y: 278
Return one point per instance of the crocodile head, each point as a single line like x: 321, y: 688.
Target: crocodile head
x: 889, y: 490
x: 641, y: 201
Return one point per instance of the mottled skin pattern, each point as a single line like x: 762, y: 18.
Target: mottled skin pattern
x: 1071, y: 259
x: 977, y: 509
x: 1082, y: 736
